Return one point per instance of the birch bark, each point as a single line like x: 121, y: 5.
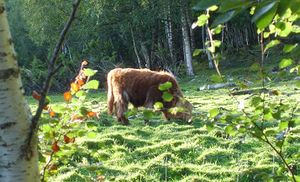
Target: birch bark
x: 15, y: 116
x: 186, y: 42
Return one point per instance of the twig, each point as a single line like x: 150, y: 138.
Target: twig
x: 46, y: 166
x: 216, y: 64
x: 51, y: 71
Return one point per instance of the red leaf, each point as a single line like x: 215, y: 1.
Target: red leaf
x: 55, y: 147
x: 36, y: 95
x: 68, y: 139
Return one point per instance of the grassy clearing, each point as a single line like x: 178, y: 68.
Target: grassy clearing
x: 174, y: 151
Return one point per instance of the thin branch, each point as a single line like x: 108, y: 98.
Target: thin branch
x: 214, y: 59
x: 281, y: 157
x: 46, y: 166
x: 51, y: 71
x: 57, y: 68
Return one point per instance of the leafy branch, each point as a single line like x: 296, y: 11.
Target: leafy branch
x: 267, y: 20
x: 52, y: 69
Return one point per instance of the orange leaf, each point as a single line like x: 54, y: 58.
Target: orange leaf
x: 74, y: 87
x: 55, y: 147
x: 52, y: 114
x: 67, y: 96
x: 80, y: 82
x: 91, y: 114
x: 36, y: 95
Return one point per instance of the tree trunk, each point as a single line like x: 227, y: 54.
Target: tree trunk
x: 169, y: 33
x: 15, y: 117
x: 191, y: 32
x: 204, y: 47
x: 186, y: 41
x: 135, y: 49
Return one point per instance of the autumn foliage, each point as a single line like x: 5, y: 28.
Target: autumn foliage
x: 61, y: 125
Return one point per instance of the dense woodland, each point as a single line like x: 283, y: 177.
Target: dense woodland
x: 154, y: 34
x: 238, y: 72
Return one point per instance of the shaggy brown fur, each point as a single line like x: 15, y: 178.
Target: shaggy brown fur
x: 140, y: 87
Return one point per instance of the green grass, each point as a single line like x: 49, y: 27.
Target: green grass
x: 174, y: 151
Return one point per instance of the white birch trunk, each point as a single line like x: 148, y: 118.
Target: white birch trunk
x: 15, y: 116
x: 169, y: 33
x: 135, y: 49
x: 186, y: 43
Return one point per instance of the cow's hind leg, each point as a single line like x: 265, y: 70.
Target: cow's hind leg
x: 121, y: 105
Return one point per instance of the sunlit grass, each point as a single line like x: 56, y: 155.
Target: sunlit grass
x: 174, y: 151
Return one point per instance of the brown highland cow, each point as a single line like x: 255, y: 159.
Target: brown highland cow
x: 140, y: 88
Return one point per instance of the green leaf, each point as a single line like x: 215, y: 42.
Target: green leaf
x: 296, y: 29
x: 209, y: 126
x: 289, y: 47
x: 264, y: 14
x: 271, y: 44
x: 234, y: 5
x: 284, y: 28
x: 270, y: 132
x: 92, y: 84
x: 285, y: 63
x: 89, y: 72
x: 158, y: 105
x: 216, y: 78
x: 59, y: 108
x: 266, y: 34
x: 283, y: 125
x: 213, y: 112
x: 223, y: 18
x: 165, y: 86
x: 218, y: 29
x: 202, y: 19
x: 204, y: 4
x: 230, y: 130
x: 297, y: 178
x: 283, y: 6
x: 148, y: 114
x: 217, y: 43
x: 268, y: 116
x: 46, y: 128
x: 92, y: 135
x: 213, y: 8
x: 80, y: 94
x: 175, y: 110
x: 167, y: 97
x: 196, y: 52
